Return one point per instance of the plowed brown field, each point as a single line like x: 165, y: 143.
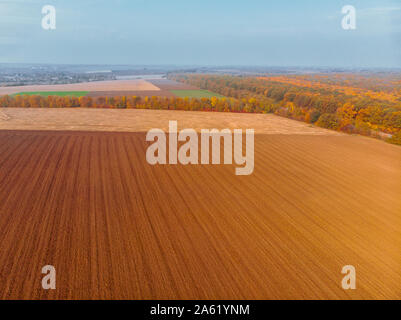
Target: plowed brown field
x: 115, y: 227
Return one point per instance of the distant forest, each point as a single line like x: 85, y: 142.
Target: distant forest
x: 367, y: 105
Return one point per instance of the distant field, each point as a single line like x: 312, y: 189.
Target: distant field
x: 136, y: 87
x: 54, y: 93
x: 109, y: 87
x: 196, y: 94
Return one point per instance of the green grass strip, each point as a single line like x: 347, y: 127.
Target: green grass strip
x: 195, y: 94
x: 54, y: 93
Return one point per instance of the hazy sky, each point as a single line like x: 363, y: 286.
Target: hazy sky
x: 203, y: 32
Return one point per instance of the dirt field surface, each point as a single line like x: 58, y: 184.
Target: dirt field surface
x: 164, y: 86
x: 108, y: 86
x: 134, y: 120
x: 115, y: 227
x: 4, y: 116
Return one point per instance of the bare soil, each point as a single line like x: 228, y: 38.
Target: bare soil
x: 115, y: 227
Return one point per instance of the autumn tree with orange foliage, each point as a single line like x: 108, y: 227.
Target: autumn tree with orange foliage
x: 348, y: 103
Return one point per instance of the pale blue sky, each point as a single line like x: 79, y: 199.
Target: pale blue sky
x: 203, y: 32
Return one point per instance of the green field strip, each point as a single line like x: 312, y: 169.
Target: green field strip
x: 195, y: 94
x: 53, y: 93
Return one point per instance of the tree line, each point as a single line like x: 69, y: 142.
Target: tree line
x: 125, y: 102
